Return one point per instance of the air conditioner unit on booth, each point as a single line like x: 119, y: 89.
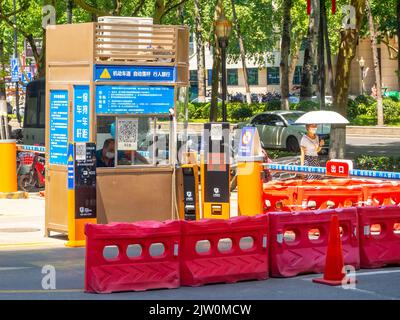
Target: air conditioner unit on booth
x: 122, y: 24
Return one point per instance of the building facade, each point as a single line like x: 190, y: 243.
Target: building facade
x: 266, y: 78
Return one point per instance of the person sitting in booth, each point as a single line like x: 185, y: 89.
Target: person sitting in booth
x: 105, y: 156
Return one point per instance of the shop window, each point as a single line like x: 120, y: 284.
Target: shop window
x: 273, y: 75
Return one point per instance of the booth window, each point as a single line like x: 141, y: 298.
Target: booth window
x: 132, y: 140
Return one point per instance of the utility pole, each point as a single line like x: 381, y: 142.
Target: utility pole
x: 16, y: 57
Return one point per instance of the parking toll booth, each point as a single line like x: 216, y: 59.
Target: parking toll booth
x: 215, y: 171
x: 188, y: 182
x: 115, y: 88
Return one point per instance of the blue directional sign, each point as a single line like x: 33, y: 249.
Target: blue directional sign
x: 14, y: 70
x: 134, y: 99
x: 27, y: 77
x: 81, y: 114
x: 58, y: 127
x: 71, y: 167
x: 134, y: 73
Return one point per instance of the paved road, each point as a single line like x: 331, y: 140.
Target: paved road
x: 21, y: 278
x: 375, y: 146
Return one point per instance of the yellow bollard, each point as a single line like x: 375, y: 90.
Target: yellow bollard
x: 8, y: 166
x: 249, y: 185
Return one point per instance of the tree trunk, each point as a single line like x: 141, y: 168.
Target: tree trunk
x: 372, y: 33
x: 41, y: 62
x: 321, y: 55
x: 398, y: 43
x: 3, y: 71
x: 242, y: 52
x: 328, y: 52
x: 203, y: 58
x: 216, y: 68
x: 285, y: 52
x: 306, y: 89
x: 69, y: 11
x: 159, y: 11
x: 293, y: 63
x: 199, y: 53
x: 347, y: 51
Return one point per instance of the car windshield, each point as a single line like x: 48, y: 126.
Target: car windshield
x: 292, y: 117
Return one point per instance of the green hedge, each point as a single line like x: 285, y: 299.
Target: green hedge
x: 378, y: 163
x: 238, y: 111
x: 362, y: 111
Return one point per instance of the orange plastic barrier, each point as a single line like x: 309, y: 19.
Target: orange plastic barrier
x: 294, y: 195
x: 382, y: 194
x: 329, y: 197
x: 325, y: 182
x: 279, y: 198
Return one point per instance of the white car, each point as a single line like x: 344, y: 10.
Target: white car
x: 278, y: 130
x: 208, y: 99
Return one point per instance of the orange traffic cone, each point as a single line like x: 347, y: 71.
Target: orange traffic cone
x: 334, y: 265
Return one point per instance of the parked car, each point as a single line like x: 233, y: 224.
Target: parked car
x: 278, y: 130
x: 208, y: 99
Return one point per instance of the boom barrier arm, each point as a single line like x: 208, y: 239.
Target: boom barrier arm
x: 321, y: 170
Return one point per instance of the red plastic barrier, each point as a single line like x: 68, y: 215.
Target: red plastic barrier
x: 387, y: 193
x: 379, y: 236
x: 280, y: 198
x: 231, y: 265
x: 142, y: 272
x: 320, y: 197
x: 298, y: 240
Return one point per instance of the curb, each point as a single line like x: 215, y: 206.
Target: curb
x: 14, y: 195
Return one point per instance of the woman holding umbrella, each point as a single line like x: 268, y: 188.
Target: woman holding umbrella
x: 310, y: 145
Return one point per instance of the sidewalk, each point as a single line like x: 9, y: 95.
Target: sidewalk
x: 22, y: 223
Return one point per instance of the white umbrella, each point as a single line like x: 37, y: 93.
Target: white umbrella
x: 322, y: 117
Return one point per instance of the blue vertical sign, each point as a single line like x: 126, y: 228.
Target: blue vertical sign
x: 58, y: 127
x: 71, y: 167
x: 246, y: 142
x: 81, y: 114
x: 14, y: 70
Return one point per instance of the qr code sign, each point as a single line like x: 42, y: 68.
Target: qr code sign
x: 80, y: 151
x: 216, y: 132
x: 127, y: 134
